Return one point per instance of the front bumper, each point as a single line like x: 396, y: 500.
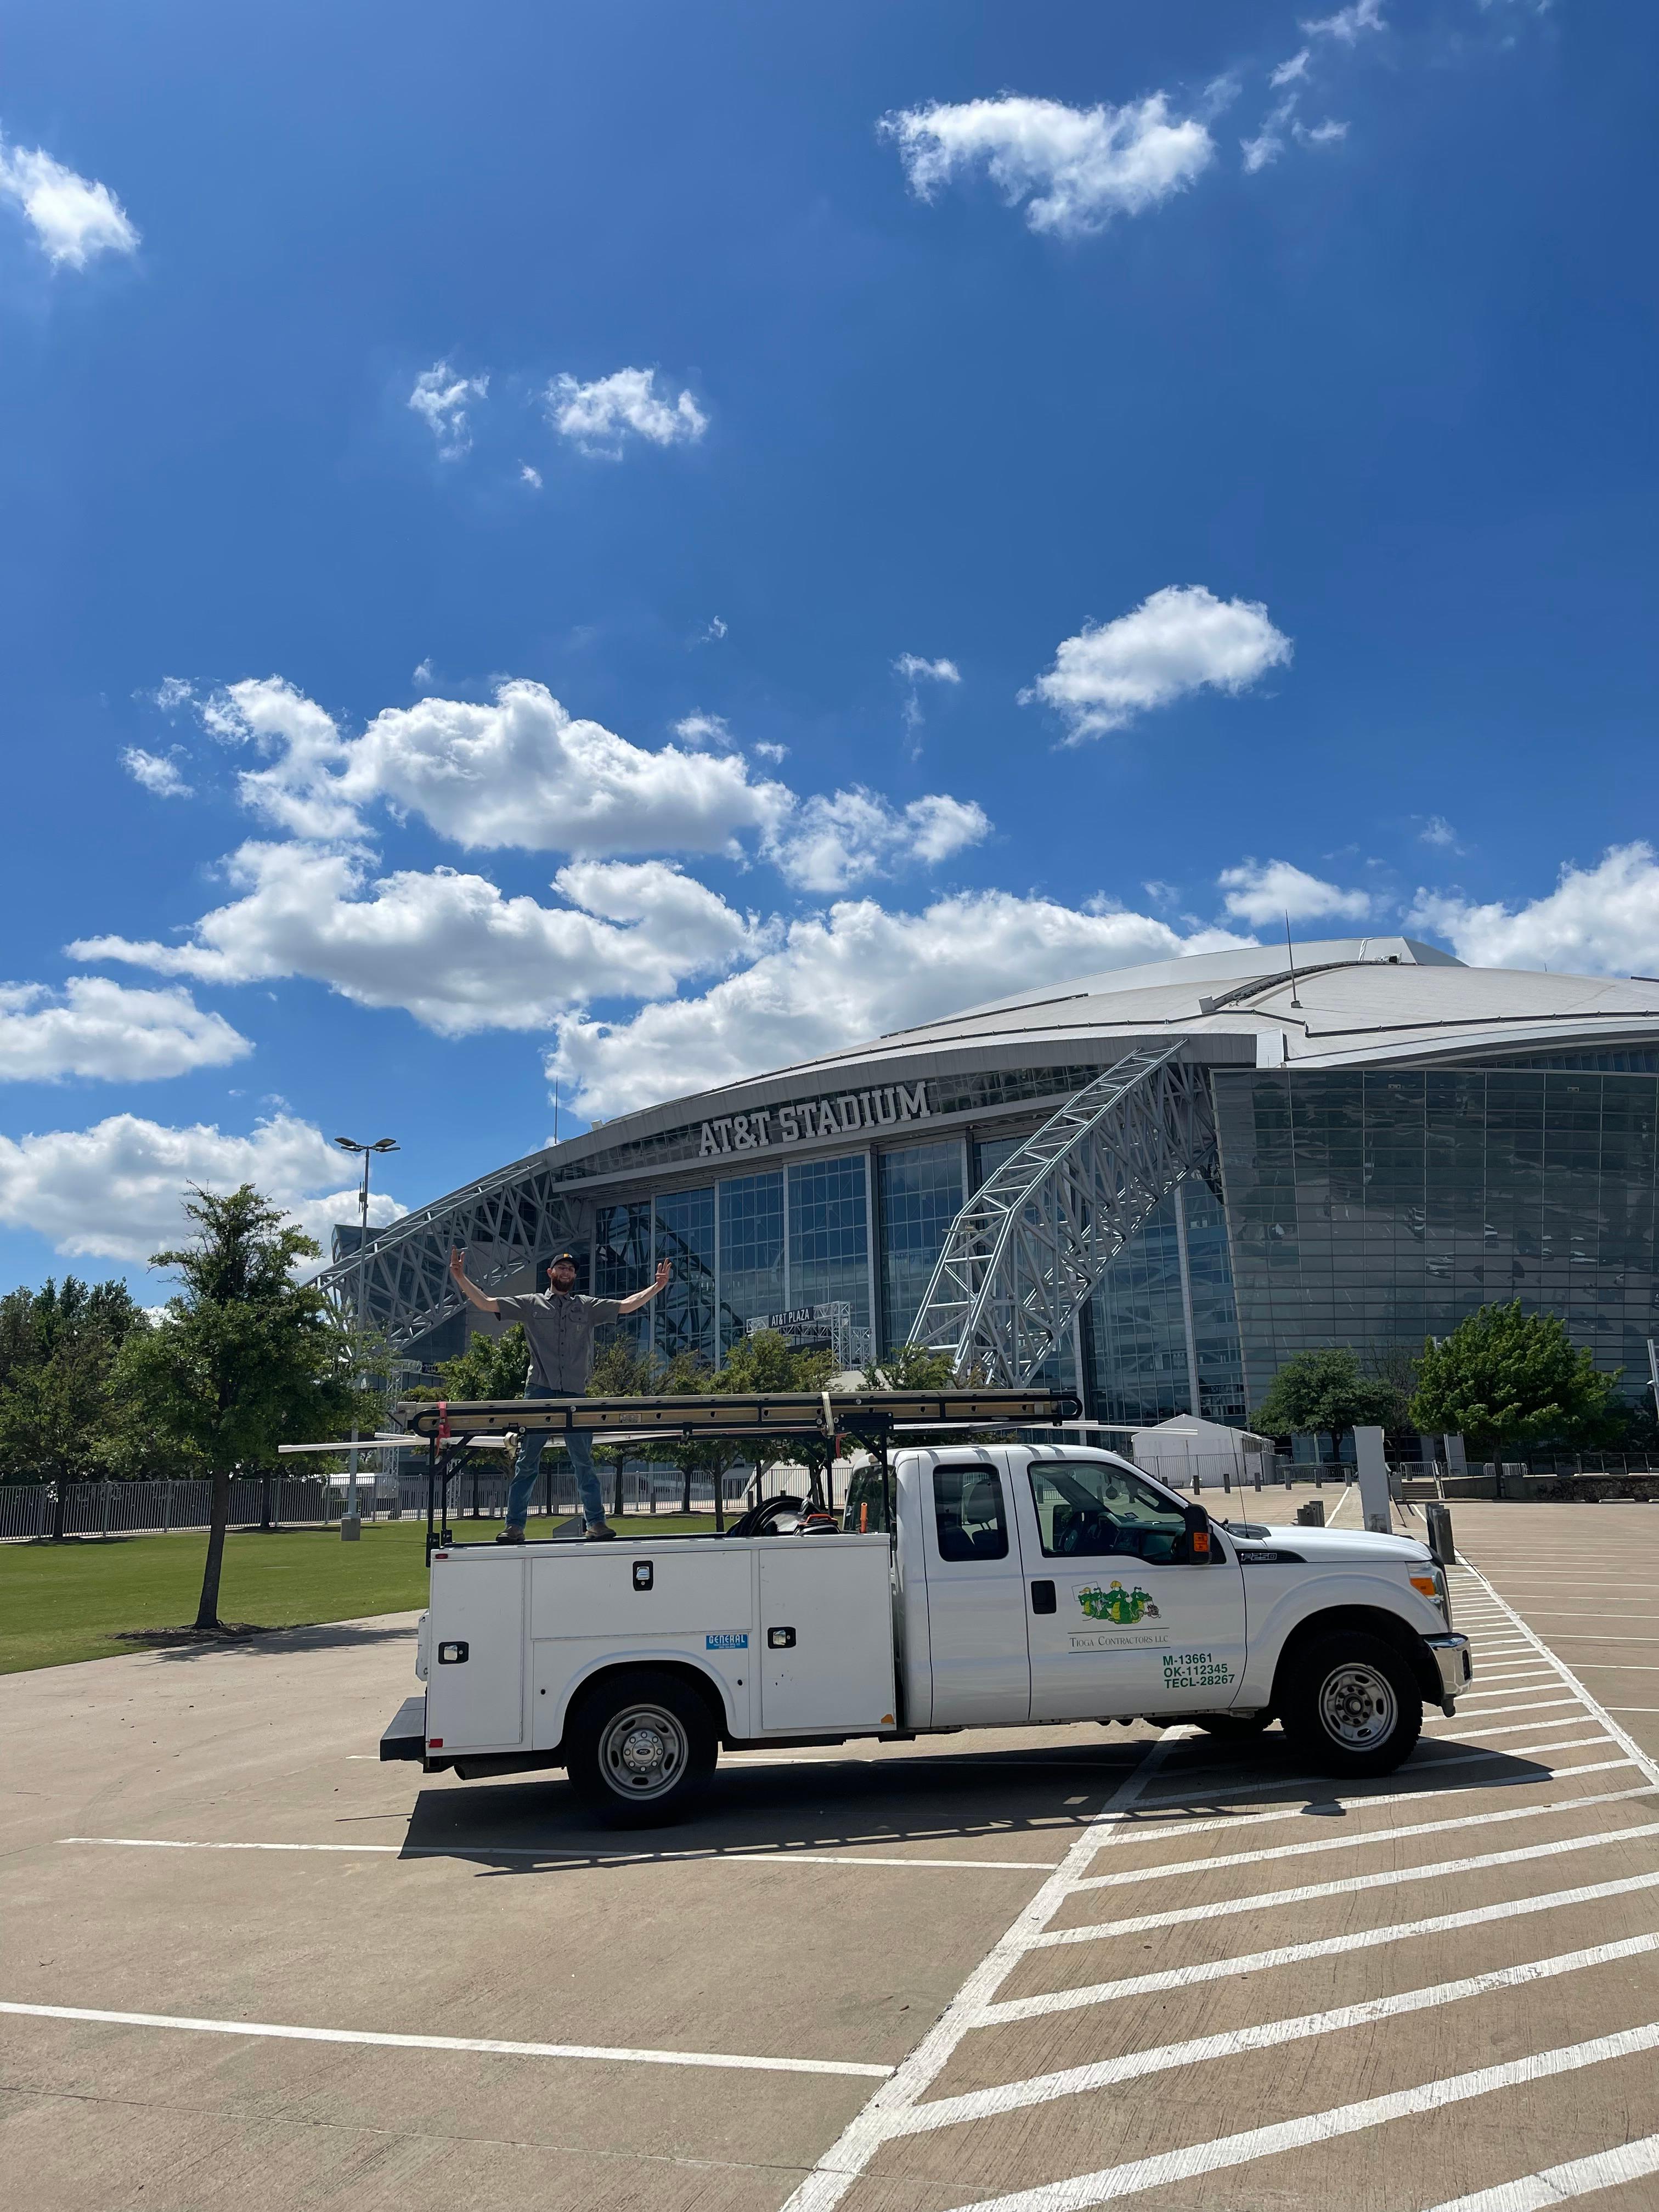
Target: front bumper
x: 1451, y: 1657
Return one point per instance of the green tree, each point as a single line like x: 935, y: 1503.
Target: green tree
x: 57, y: 1351
x: 912, y: 1367
x: 491, y: 1367
x: 1506, y: 1377
x: 246, y: 1358
x: 1324, y: 1393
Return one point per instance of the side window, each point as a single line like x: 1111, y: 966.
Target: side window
x: 1088, y: 1510
x: 865, y: 1512
x: 968, y: 1513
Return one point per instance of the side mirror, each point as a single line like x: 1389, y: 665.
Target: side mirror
x: 1199, y: 1552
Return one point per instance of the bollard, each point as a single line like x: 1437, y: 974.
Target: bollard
x: 1312, y: 1515
x: 1440, y: 1534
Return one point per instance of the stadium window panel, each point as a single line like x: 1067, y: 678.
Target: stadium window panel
x: 683, y: 1315
x: 919, y: 1194
x: 829, y: 1234
x: 751, y: 1253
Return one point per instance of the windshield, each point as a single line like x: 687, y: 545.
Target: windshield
x: 1087, y: 1508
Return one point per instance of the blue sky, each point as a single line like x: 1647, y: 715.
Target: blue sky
x: 635, y: 545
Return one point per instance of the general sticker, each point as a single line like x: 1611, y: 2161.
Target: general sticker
x: 726, y: 1639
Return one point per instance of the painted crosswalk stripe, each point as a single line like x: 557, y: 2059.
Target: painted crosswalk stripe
x: 1079, y: 2080
x: 1178, y: 1830
x: 1084, y: 2191
x: 1291, y: 1954
x: 1348, y: 1885
x: 1559, y: 2185
x: 489, y: 2044
x: 1165, y: 1869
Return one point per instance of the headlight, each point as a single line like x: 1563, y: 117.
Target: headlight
x: 1433, y: 1585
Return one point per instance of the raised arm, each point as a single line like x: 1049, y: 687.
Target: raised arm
x: 644, y: 1297
x: 470, y: 1291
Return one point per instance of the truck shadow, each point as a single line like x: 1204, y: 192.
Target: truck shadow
x: 998, y: 1806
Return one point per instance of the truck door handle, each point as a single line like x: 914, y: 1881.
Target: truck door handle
x: 781, y: 1639
x: 1042, y: 1597
x: 453, y: 1655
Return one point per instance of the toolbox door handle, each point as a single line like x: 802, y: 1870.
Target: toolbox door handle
x: 781, y: 1639
x: 453, y: 1655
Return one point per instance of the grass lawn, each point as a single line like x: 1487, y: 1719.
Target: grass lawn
x: 60, y: 1602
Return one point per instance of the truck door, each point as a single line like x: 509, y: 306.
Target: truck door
x: 975, y: 1597
x: 1121, y: 1619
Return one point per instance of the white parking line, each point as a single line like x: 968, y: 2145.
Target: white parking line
x: 1430, y: 1767
x: 1077, y: 2081
x: 1084, y: 2191
x: 1346, y: 1885
x: 1559, y: 2185
x: 1276, y: 1852
x: 256, y: 2027
x: 1456, y: 1729
x: 1465, y: 1705
x: 529, y: 1851
x: 848, y: 2157
x: 1178, y: 1830
x: 1291, y: 1954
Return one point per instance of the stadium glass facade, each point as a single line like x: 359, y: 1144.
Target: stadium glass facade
x: 1377, y: 1207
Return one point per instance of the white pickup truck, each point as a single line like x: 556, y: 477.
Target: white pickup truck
x: 1019, y: 1585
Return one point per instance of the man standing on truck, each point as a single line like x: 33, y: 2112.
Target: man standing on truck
x: 559, y: 1324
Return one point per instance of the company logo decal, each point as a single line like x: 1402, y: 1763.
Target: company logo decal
x: 1125, y: 1616
x: 1122, y: 1607
x: 726, y: 1639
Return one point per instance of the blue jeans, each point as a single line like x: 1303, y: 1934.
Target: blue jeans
x: 531, y: 1444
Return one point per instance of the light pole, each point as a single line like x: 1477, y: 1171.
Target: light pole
x: 351, y: 1524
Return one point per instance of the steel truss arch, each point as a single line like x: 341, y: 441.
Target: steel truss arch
x: 505, y: 1222
x: 1030, y: 1246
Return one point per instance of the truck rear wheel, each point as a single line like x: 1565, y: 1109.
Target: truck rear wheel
x: 1351, y: 1705
x: 640, y: 1751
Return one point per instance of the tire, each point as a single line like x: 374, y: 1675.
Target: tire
x: 1231, y: 1727
x: 1351, y: 1705
x: 640, y: 1751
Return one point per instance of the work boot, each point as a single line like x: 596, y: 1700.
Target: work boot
x: 511, y: 1536
x: 600, y: 1532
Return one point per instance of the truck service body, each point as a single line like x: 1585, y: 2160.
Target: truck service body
x: 967, y: 1585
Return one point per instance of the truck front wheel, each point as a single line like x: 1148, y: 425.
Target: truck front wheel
x: 1351, y: 1705
x: 640, y: 1751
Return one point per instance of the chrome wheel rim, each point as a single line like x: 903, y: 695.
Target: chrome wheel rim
x: 643, y: 1752
x: 1357, y: 1706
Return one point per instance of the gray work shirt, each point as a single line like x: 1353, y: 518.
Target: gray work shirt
x: 560, y: 1330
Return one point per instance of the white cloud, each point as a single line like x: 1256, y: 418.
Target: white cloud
x: 600, y: 417
x: 452, y: 950
x: 914, y: 669
x: 1437, y: 830
x: 422, y: 672
x: 96, y: 1028
x: 1074, y: 167
x: 1322, y: 134
x: 704, y: 730
x: 157, y: 772
x: 74, y: 218
x: 519, y: 772
x: 1263, y: 893
x: 171, y: 693
x: 1181, y: 639
x: 528, y: 476
x: 1269, y: 141
x: 442, y: 399
x: 829, y: 843
x: 1602, y: 920
x: 1291, y: 72
x: 715, y: 631
x: 1348, y: 25
x: 116, y: 1191
x: 771, y: 752
x: 854, y: 972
